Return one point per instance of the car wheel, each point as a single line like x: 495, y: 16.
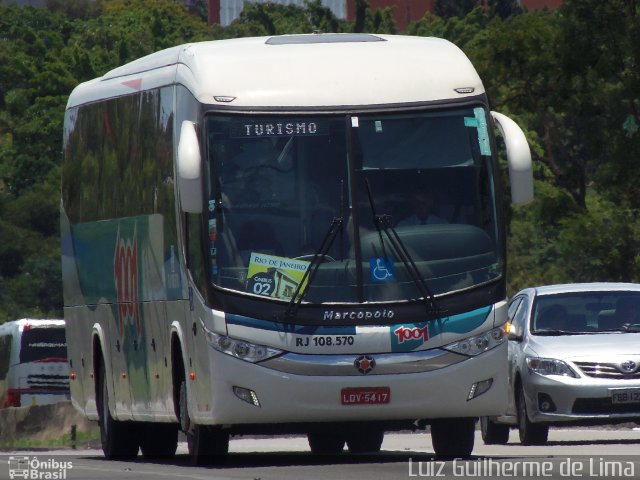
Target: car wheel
x: 530, y: 433
x: 493, y: 433
x: 119, y: 439
x: 453, y: 437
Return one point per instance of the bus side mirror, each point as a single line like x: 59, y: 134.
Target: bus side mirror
x: 518, y: 158
x: 189, y: 169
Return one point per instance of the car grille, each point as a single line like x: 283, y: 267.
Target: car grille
x: 605, y: 370
x: 589, y: 406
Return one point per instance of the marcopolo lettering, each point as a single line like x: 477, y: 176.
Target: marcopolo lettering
x: 358, y: 314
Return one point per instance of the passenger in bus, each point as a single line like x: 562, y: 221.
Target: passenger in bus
x: 422, y: 203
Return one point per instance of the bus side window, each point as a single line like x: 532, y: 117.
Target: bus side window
x: 195, y: 262
x: 5, y: 355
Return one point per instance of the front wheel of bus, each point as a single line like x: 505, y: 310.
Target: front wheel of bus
x: 325, y: 442
x: 453, y: 437
x: 207, y: 445
x: 159, y: 440
x: 365, y: 440
x: 119, y: 439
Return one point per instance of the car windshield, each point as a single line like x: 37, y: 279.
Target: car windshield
x: 586, y: 312
x: 278, y: 184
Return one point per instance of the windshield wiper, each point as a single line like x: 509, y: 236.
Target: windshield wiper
x: 312, y: 269
x: 383, y: 223
x: 553, y: 333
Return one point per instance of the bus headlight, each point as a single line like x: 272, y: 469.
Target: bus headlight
x: 478, y: 344
x: 249, y: 352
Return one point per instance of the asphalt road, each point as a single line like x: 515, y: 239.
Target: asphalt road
x: 570, y: 453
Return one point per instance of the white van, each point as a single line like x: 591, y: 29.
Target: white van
x: 33, y: 363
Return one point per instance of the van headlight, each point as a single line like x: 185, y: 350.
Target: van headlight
x: 478, y: 344
x: 249, y: 352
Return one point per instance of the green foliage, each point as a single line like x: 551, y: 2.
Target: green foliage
x: 570, y: 78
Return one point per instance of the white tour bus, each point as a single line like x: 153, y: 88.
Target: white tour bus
x: 290, y: 234
x: 33, y: 363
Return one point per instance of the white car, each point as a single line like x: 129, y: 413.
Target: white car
x: 574, y: 358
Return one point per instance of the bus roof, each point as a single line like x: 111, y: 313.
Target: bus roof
x: 36, y: 322
x: 314, y: 70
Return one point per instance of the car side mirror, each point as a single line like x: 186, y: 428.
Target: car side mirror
x: 189, y: 169
x: 516, y: 337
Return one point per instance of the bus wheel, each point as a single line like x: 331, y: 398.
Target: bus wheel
x: 159, y: 440
x: 325, y: 442
x: 493, y: 433
x: 119, y: 439
x: 453, y: 437
x: 207, y: 445
x: 530, y: 433
x: 365, y: 440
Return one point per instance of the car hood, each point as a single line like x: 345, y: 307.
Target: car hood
x: 585, y: 347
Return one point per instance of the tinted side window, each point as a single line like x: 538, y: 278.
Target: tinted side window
x: 513, y: 307
x: 520, y: 315
x: 5, y: 355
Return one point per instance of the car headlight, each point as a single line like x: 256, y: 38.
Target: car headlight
x: 550, y: 366
x: 478, y: 344
x: 249, y: 352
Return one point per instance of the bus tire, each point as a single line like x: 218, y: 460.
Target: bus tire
x: 453, y: 437
x: 493, y: 433
x: 208, y: 445
x: 530, y: 433
x: 119, y: 439
x: 365, y: 440
x: 159, y: 440
x: 325, y: 442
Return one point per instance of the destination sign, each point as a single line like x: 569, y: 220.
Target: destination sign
x: 280, y: 128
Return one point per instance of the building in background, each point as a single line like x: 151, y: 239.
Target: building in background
x: 224, y: 12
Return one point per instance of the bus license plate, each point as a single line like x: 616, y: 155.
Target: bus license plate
x: 625, y: 395
x: 365, y: 395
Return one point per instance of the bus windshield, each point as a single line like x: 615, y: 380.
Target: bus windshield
x: 421, y: 182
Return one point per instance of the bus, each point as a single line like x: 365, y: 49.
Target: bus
x: 235, y: 257
x: 33, y: 363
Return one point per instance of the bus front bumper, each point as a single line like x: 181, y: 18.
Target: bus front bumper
x: 246, y: 393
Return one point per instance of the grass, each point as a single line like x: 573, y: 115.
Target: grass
x: 83, y: 439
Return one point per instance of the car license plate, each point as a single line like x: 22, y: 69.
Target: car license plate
x: 365, y: 395
x: 625, y: 395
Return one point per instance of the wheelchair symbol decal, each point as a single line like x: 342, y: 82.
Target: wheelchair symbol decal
x: 382, y: 270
